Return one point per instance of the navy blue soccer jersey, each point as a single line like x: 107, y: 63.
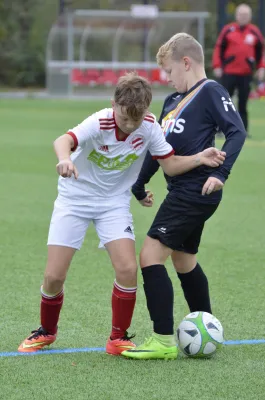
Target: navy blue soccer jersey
x: 190, y: 122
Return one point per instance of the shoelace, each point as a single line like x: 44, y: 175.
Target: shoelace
x: 37, y: 333
x: 127, y: 337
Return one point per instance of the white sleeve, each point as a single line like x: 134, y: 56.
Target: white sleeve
x: 159, y: 148
x: 84, y: 131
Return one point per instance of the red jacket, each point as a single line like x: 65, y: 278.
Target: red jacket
x: 239, y: 50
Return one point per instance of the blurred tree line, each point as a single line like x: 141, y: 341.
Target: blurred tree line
x: 25, y: 24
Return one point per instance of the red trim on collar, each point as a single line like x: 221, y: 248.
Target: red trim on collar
x: 117, y: 130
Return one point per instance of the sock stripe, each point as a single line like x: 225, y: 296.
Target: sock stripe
x: 50, y: 296
x: 124, y: 289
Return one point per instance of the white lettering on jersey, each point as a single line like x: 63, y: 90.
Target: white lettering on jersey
x: 172, y: 125
x: 179, y: 128
x: 228, y: 103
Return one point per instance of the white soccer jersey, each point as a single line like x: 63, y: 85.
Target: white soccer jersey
x: 108, y: 166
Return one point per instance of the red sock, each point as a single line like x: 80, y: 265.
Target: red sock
x: 50, y: 308
x: 123, y: 302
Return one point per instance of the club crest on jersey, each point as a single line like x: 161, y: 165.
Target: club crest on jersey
x: 137, y: 143
x: 173, y: 125
x: 105, y: 149
x: 249, y: 39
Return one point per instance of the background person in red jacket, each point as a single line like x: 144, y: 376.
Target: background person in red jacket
x: 238, y: 52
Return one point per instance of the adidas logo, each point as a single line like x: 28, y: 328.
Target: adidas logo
x: 128, y: 229
x: 163, y: 230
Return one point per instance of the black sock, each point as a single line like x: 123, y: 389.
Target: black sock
x: 196, y: 290
x: 160, y: 298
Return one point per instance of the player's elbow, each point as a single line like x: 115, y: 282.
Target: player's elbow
x: 167, y: 168
x: 170, y: 172
x: 169, y: 165
x: 64, y: 140
x: 55, y: 144
x: 57, y: 141
x: 242, y: 135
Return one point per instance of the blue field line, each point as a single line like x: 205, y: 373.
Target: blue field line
x: 248, y: 341
x: 54, y: 351
x: 102, y: 349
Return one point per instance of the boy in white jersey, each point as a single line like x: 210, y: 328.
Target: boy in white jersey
x: 94, y: 185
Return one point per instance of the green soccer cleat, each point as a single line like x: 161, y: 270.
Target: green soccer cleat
x: 152, y: 349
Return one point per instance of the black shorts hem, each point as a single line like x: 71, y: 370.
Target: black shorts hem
x: 170, y: 246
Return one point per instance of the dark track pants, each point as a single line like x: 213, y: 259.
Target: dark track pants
x: 242, y: 84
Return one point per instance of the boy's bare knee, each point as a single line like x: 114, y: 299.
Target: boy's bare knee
x: 183, y: 262
x: 126, y: 274
x: 53, y: 283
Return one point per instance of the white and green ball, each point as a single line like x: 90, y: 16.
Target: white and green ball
x: 200, y: 334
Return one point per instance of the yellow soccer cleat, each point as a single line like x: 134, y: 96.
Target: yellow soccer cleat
x: 152, y: 349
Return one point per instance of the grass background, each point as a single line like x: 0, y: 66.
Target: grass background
x: 232, y: 254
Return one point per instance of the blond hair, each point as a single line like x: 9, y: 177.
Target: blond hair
x: 179, y: 46
x: 134, y: 93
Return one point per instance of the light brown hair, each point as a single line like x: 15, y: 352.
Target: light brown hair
x: 134, y: 93
x: 179, y: 46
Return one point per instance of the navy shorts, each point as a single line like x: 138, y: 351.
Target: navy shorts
x: 178, y: 224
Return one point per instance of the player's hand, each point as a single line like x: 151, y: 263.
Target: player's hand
x: 212, y: 157
x: 212, y: 185
x: 218, y: 72
x: 148, y: 200
x: 260, y: 74
x: 66, y: 168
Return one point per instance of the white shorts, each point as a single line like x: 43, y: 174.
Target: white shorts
x: 69, y: 222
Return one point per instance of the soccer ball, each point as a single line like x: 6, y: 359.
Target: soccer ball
x: 200, y: 334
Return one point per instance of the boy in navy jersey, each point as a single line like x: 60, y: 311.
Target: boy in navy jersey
x: 190, y: 119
